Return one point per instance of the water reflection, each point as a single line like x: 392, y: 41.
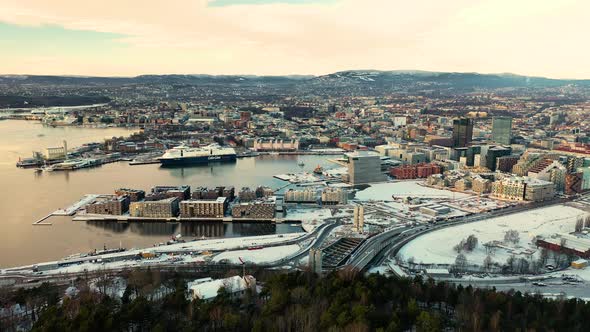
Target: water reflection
x: 154, y: 228
x: 206, y: 229
x: 196, y: 229
x: 113, y: 227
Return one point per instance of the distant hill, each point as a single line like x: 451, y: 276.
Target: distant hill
x: 360, y: 78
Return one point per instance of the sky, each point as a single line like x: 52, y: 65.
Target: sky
x: 278, y: 37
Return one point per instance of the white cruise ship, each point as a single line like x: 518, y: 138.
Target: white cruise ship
x: 183, y: 155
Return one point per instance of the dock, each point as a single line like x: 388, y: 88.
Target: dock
x: 71, y: 210
x: 41, y: 222
x: 144, y: 162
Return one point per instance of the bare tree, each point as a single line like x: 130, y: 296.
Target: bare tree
x: 510, y: 263
x: 460, y: 263
x: 522, y: 265
x: 487, y: 263
x: 579, y: 225
x: 512, y: 236
x: 490, y: 248
x: 467, y: 244
x: 544, y: 256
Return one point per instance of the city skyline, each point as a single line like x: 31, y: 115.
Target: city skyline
x: 307, y: 37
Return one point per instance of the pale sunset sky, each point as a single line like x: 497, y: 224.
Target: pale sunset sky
x: 277, y: 37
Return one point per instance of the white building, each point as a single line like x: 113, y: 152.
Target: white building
x: 206, y: 289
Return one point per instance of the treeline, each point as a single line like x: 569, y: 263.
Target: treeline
x: 343, y: 301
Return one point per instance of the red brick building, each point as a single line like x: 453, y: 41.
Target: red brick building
x: 417, y: 171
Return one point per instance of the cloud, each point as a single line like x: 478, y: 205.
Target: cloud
x: 541, y: 37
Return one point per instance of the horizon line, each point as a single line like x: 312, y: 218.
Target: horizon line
x: 410, y: 71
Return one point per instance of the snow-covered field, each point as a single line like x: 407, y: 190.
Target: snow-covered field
x: 437, y: 247
x: 383, y: 191
x: 259, y: 256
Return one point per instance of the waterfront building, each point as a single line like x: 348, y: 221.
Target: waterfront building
x: 502, y: 130
x: 56, y: 153
x: 181, y: 192
x: 203, y: 208
x: 204, y: 193
x: 301, y: 196
x: 364, y: 167
x: 462, y: 132
x: 263, y: 191
x: 134, y: 194
x: 246, y: 195
x: 261, y: 209
x: 165, y: 208
x: 116, y: 205
x: 334, y: 196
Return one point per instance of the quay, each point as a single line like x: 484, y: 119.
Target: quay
x: 71, y: 210
x: 41, y: 222
x: 127, y: 218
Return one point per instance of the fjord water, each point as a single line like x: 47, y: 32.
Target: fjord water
x: 26, y: 196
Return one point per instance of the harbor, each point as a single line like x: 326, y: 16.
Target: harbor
x: 52, y: 190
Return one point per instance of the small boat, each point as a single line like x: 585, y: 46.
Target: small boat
x: 318, y: 170
x: 301, y: 164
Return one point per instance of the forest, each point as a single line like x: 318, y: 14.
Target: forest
x: 301, y: 301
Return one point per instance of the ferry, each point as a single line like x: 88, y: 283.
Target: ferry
x: 183, y: 155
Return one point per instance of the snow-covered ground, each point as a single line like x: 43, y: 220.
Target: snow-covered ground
x: 437, y: 247
x: 310, y: 217
x: 384, y: 191
x: 237, y: 243
x: 259, y: 256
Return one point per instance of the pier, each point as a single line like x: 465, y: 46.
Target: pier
x: 41, y: 222
x: 71, y: 210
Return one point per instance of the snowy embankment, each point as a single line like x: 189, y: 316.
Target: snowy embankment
x: 437, y: 247
x: 384, y: 191
x: 121, y: 260
x: 260, y: 256
x: 310, y: 218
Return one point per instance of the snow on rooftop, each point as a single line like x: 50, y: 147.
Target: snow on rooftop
x: 208, y: 289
